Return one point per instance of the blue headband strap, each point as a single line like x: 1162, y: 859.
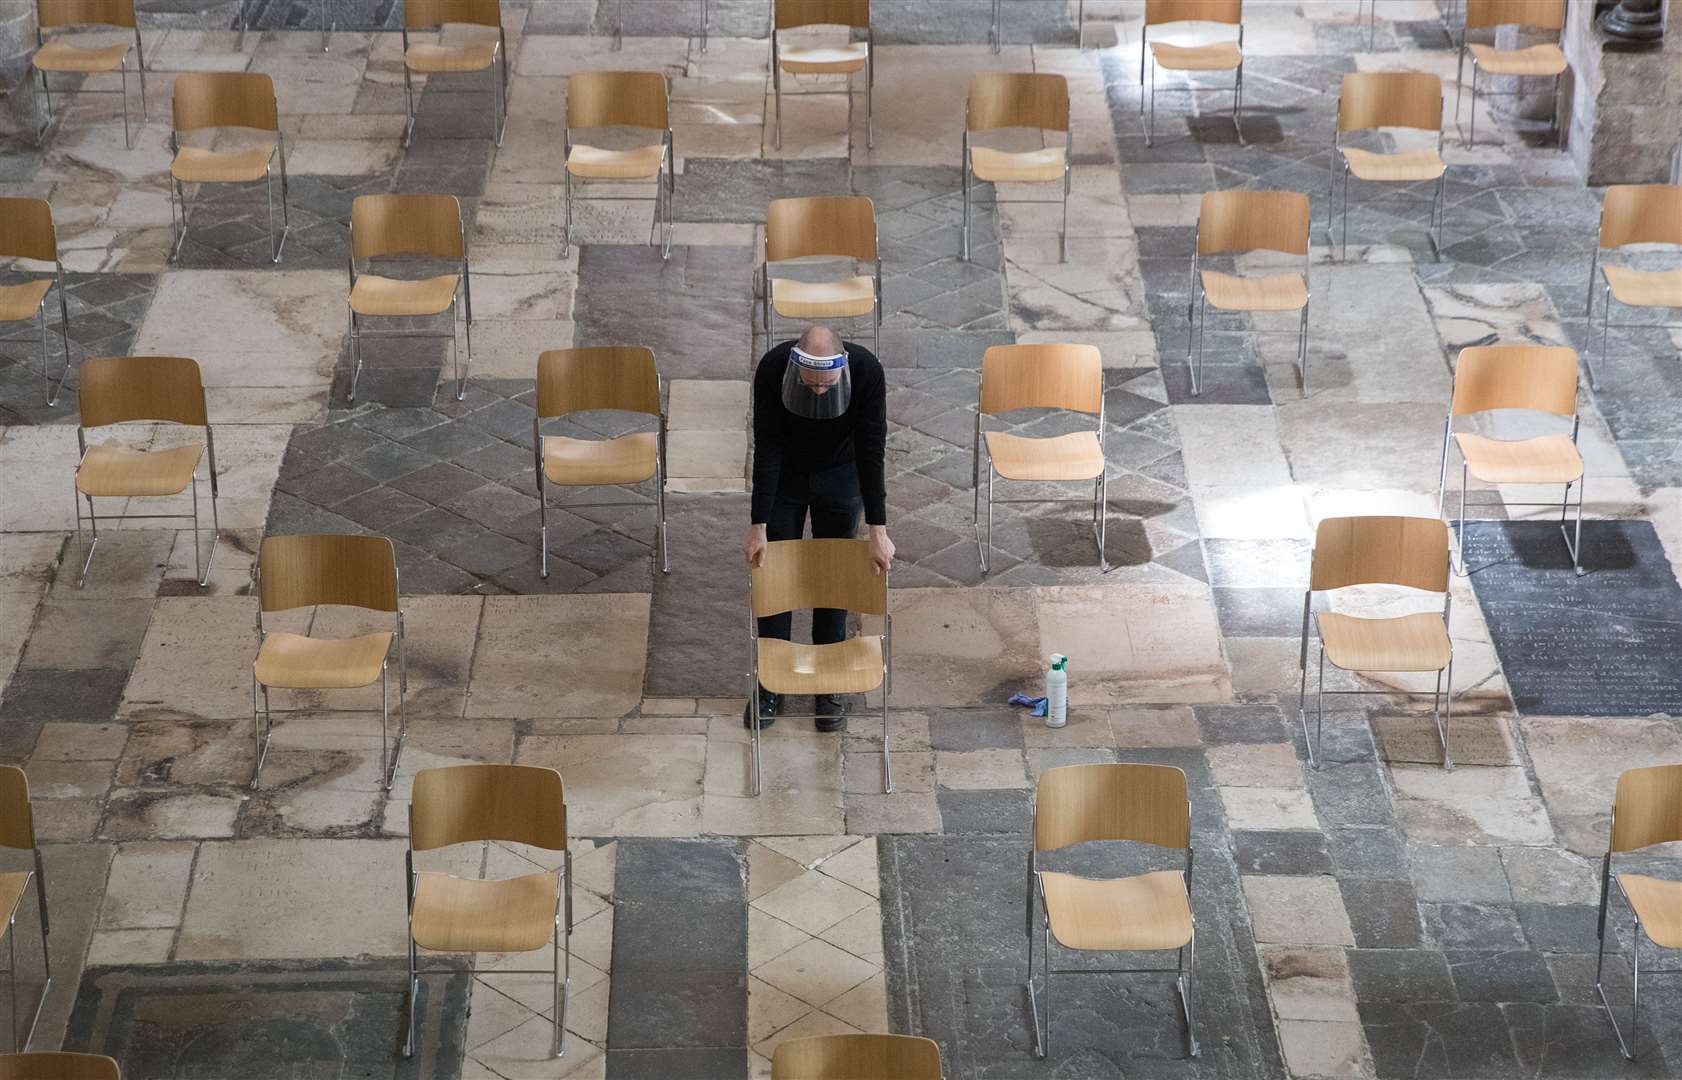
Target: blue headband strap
x: 819, y: 363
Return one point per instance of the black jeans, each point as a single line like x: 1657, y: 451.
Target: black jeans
x: 832, y: 499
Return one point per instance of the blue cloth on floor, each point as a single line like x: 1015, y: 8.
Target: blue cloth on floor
x: 1035, y: 703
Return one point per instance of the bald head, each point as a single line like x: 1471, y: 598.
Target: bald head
x: 819, y: 341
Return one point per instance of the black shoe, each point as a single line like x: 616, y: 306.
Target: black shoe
x: 831, y: 710
x: 769, y: 706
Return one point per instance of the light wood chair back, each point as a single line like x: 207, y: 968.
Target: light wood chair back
x: 601, y: 377
x: 54, y: 1065
x: 327, y: 568
x: 999, y: 99
x: 26, y: 230
x: 17, y: 820
x: 856, y: 1056
x: 1407, y: 551
x: 1641, y: 214
x: 1375, y: 99
x: 1539, y: 377
x: 514, y: 804
x: 1252, y: 221
x: 207, y: 99
x: 795, y: 575
x: 618, y: 99
x: 50, y: 14
x: 793, y: 14
x: 1042, y: 377
x: 1146, y: 804
x: 127, y: 389
x: 837, y: 225
x: 1215, y: 11
x: 406, y: 223
x: 1543, y: 14
x: 1647, y: 808
x: 425, y: 14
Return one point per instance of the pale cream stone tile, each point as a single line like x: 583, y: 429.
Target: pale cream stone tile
x: 270, y: 328
x: 955, y: 645
x: 189, y: 816
x: 865, y: 1006
x: 1154, y: 727
x: 1297, y: 910
x: 1469, y: 806
x: 1309, y: 984
x: 594, y: 868
x: 971, y: 770
x: 901, y: 812
x: 913, y: 772
x: 79, y: 742
x: 800, y: 783
x: 856, y: 865
x: 808, y: 851
x: 813, y: 1023
x: 813, y: 902
x: 625, y: 785
x: 524, y: 1052
x: 770, y: 1010
x: 113, y: 947
x: 1268, y: 808
x: 1313, y: 1048
x: 1258, y: 765
x: 707, y: 453
x: 69, y: 779
x: 768, y: 869
x: 1135, y: 642
x: 147, y: 886
x: 37, y: 465
x: 859, y: 933
x: 707, y: 405
x: 769, y: 938
x: 601, y: 641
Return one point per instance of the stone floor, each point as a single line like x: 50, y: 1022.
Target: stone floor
x: 1374, y: 917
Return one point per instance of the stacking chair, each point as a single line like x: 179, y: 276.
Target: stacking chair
x: 1389, y: 99
x: 217, y: 99
x: 1041, y: 377
x: 507, y: 804
x: 619, y: 25
x: 1018, y: 101
x: 855, y: 1056
x: 848, y: 59
x: 606, y: 377
x: 1215, y: 56
x: 53, y: 1065
x: 795, y: 575
x: 1234, y: 223
x: 995, y: 36
x: 1539, y: 378
x: 1635, y: 214
x: 821, y: 227
x: 328, y: 569
x: 245, y: 22
x: 1150, y: 912
x: 1410, y: 552
x: 143, y: 389
x: 430, y: 58
x: 423, y: 226
x: 62, y: 55
x: 17, y: 831
x: 1646, y: 810
x: 1537, y: 61
x: 26, y: 232
x: 625, y: 99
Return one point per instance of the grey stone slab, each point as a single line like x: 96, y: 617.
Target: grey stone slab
x: 1386, y: 976
x: 990, y: 812
x: 975, y: 729
x: 1297, y: 853
x: 1223, y: 724
x: 1559, y: 927
x: 698, y: 631
x: 1383, y: 914
x: 88, y: 696
x: 1440, y: 1039
x: 1349, y: 794
x: 1459, y: 875
x: 697, y: 1062
x: 1473, y: 926
x: 1259, y: 612
x: 1514, y: 975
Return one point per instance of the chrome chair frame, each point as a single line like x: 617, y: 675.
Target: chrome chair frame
x: 995, y: 36
x: 1439, y: 205
x: 1100, y: 493
x: 1194, y: 89
x: 659, y: 479
x: 1606, y: 882
x: 1606, y: 322
x: 53, y: 389
x: 327, y: 26
x: 668, y: 169
x: 39, y: 874
x: 178, y: 191
x: 41, y: 126
x: 464, y: 293
x: 1196, y: 331
x: 869, y: 88
x: 769, y: 310
x: 619, y: 25
x: 1459, y: 88
x: 967, y: 167
x: 76, y: 497
x: 498, y: 91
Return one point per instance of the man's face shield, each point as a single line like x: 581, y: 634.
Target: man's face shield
x: 817, y: 387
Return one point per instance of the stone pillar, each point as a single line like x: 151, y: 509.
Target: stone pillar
x: 17, y: 41
x: 1626, y: 100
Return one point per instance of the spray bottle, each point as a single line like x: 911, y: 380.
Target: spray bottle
x: 1057, y: 692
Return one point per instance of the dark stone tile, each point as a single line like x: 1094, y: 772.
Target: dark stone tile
x: 88, y: 696
x: 697, y: 871
x: 697, y: 633
x: 448, y: 441
x: 328, y: 486
x: 1296, y: 853
x: 1560, y: 927
x: 386, y: 461
x: 678, y: 1009
x: 1351, y: 794
x: 1223, y: 724
x: 1385, y: 976
x: 1472, y: 926
x: 692, y: 1063
x: 1383, y: 914
x: 975, y: 729
x: 1568, y: 1042
x: 1217, y: 384
x: 1253, y: 612
x: 436, y: 531
x: 1439, y: 1039
x: 381, y: 509
x: 654, y: 936
x: 1501, y: 976
x: 1004, y: 811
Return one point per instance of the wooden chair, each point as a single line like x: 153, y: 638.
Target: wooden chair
x: 605, y: 377
x: 821, y: 227
x: 333, y: 569
x: 1389, y: 99
x: 795, y: 575
x: 1540, y: 378
x: 619, y: 25
x: 1150, y: 912
x: 1041, y: 377
x: 1635, y: 214
x: 53, y: 1065
x: 510, y: 804
x: 624, y: 99
x: 1646, y: 810
x: 848, y: 59
x: 995, y: 37
x: 1219, y: 55
x: 1234, y: 223
x: 17, y: 831
x: 217, y: 99
x: 436, y: 58
x: 26, y: 232
x: 153, y: 390
x: 1411, y: 552
x: 421, y: 226
x: 1537, y: 61
x: 999, y: 100
x: 62, y: 55
x: 855, y: 1057
x: 327, y: 26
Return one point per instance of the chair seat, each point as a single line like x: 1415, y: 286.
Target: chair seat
x: 1408, y: 643
x: 196, y: 165
x: 1550, y: 459
x: 1536, y: 60
x: 1405, y: 167
x: 1658, y: 904
x: 24, y: 300
x: 1216, y: 56
x: 429, y: 59
x: 117, y: 470
x: 823, y: 299
x: 1028, y: 167
x: 1075, y: 456
x: 1145, y: 912
x: 63, y: 56
x: 1275, y: 292
x: 12, y: 885
x: 463, y: 915
x: 373, y: 295
x: 638, y: 163
x: 629, y: 459
x: 845, y: 667
x: 835, y: 60
x: 1645, y: 288
x: 296, y: 662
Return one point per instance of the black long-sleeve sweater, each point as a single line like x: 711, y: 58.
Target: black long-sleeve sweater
x: 785, y: 444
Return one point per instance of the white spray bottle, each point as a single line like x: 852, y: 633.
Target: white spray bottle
x: 1057, y: 692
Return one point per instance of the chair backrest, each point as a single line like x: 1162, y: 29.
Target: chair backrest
x: 1407, y: 551
x: 206, y: 99
x: 793, y: 14
x: 999, y: 99
x: 1252, y: 221
x: 618, y: 99
x: 424, y: 14
x: 53, y: 1065
x: 515, y: 804
x: 601, y: 377
x: 1215, y: 11
x: 54, y: 13
x: 17, y: 820
x: 1544, y: 14
x: 1540, y: 377
x: 406, y: 224
x: 1647, y: 808
x: 840, y: 225
x: 856, y: 1056
x: 1042, y: 377
x: 1374, y: 99
x: 795, y: 575
x: 1641, y: 214
x: 127, y: 389
x: 26, y: 230
x: 1147, y: 804
x: 327, y: 568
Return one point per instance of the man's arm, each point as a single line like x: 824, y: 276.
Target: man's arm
x: 870, y: 448
x: 767, y: 457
